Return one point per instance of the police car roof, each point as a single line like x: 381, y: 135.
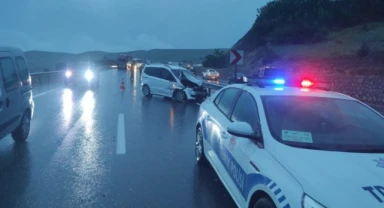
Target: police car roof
x: 293, y: 91
x: 11, y: 49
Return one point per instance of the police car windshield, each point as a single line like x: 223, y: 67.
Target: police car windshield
x: 324, y: 123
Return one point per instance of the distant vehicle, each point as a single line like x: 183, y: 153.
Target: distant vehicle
x: 271, y: 73
x: 122, y: 62
x: 84, y: 73
x: 278, y: 146
x: 172, y: 81
x: 240, y: 78
x: 211, y: 74
x: 188, y: 65
x: 16, y: 100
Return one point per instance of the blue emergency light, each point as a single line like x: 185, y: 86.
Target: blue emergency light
x: 279, y: 81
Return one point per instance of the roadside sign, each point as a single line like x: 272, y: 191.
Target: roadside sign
x: 236, y: 57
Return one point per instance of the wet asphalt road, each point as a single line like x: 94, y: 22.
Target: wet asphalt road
x: 70, y: 157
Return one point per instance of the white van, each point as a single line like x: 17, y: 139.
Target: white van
x: 172, y: 81
x: 16, y: 102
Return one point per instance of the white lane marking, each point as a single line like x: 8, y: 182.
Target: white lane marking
x: 120, y: 143
x: 43, y: 93
x: 198, y: 104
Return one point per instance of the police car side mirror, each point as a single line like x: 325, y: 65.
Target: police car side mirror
x: 240, y: 129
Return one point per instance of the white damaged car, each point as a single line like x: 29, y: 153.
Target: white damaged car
x: 171, y: 81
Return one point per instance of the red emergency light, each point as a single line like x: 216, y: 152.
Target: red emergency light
x: 307, y: 83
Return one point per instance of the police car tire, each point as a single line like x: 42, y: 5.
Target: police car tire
x: 20, y: 134
x: 264, y: 203
x: 203, y: 160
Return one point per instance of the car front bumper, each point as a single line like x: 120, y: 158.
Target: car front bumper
x: 197, y: 93
x: 80, y: 80
x: 213, y: 76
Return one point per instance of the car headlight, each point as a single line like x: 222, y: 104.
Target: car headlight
x: 245, y: 79
x: 88, y: 75
x: 68, y: 73
x: 176, y: 85
x: 308, y: 202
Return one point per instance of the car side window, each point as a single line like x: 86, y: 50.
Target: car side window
x: 8, y: 70
x: 227, y: 99
x: 147, y: 70
x: 218, y: 98
x: 165, y: 74
x: 245, y: 110
x: 23, y: 70
x: 151, y: 71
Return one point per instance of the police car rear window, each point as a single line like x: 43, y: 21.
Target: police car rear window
x: 324, y: 123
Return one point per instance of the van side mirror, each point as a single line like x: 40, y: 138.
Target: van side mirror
x: 242, y: 129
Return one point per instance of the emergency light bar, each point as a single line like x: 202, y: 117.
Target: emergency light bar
x: 280, y: 82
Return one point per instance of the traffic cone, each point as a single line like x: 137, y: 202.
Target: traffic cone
x: 122, y: 87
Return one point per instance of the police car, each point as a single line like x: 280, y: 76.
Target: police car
x: 274, y: 145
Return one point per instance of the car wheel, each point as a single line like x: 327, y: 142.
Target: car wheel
x: 199, y: 148
x: 264, y: 203
x: 21, y: 133
x: 180, y: 96
x: 146, y: 91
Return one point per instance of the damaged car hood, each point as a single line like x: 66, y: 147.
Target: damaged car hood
x: 189, y: 80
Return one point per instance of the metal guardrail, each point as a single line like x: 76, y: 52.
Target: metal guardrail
x: 211, y: 86
x: 50, y: 76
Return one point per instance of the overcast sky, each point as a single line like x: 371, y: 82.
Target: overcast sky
x: 124, y: 25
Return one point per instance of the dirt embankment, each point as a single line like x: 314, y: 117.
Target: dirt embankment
x: 335, y: 60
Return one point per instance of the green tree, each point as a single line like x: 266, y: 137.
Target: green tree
x: 217, y: 59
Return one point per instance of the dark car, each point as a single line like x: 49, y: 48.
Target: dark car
x: 82, y: 73
x: 240, y: 78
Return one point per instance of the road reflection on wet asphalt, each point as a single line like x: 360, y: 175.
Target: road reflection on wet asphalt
x: 70, y: 157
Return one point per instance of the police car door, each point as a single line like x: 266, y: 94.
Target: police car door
x: 241, y: 168
x: 229, y: 169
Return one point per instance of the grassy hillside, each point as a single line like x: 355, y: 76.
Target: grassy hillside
x: 338, y: 53
x: 40, y: 60
x: 317, y: 36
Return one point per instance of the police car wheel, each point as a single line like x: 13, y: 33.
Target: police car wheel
x: 264, y: 203
x: 146, y: 91
x: 199, y: 148
x: 21, y: 133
